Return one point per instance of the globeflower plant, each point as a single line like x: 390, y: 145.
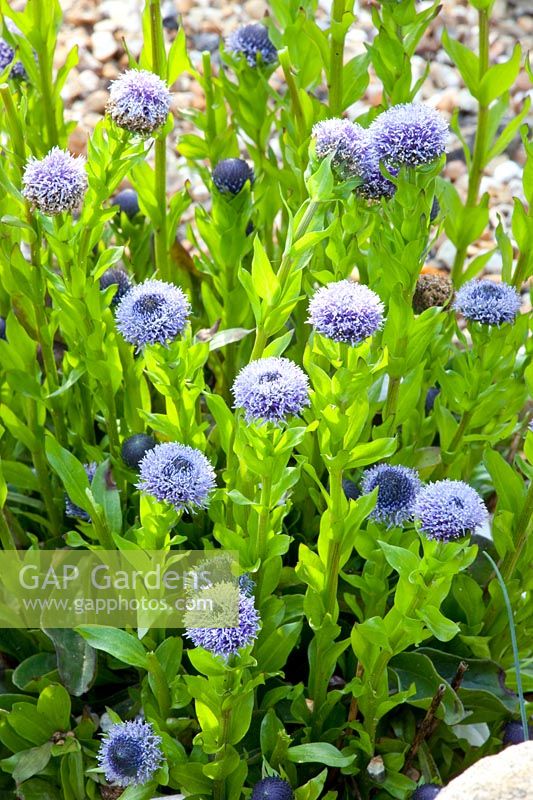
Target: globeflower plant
x: 266, y: 357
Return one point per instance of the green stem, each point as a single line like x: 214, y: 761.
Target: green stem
x: 480, y: 144
x: 523, y: 525
x: 514, y: 643
x: 159, y: 67
x: 211, y: 123
x: 219, y: 786
x: 6, y: 537
x: 299, y: 115
x: 263, y: 525
x: 45, y: 76
x: 334, y: 550
x: 454, y: 444
x: 15, y: 128
x: 261, y: 337
x: 42, y: 470
x: 336, y: 59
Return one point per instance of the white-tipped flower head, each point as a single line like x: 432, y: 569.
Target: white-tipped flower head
x: 139, y: 101
x: 55, y: 183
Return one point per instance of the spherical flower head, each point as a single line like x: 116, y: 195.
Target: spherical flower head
x: 139, y: 101
x: 56, y: 183
x: 449, y: 510
x: 397, y: 490
x: 409, y: 134
x: 231, y: 623
x: 177, y: 474
x: 272, y: 788
x: 350, y: 489
x: 130, y: 753
x: 230, y: 175
x: 3, y: 329
x: 153, y: 312
x: 135, y: 447
x: 71, y: 509
x: 119, y: 278
x: 513, y: 733
x: 7, y: 55
x: 127, y: 201
x: 346, y: 140
x: 426, y: 792
x: 375, y: 184
x: 271, y: 389
x: 432, y: 394
x: 432, y: 290
x: 252, y: 42
x: 487, y: 302
x: 346, y: 311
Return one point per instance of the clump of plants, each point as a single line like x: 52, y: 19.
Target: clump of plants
x: 273, y: 373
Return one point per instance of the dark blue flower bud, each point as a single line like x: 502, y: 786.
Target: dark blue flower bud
x: 135, y: 447
x: 120, y: 279
x: 351, y: 492
x: 230, y: 175
x: 513, y: 733
x: 272, y: 789
x: 2, y: 328
x: 426, y: 792
x: 431, y: 396
x: 127, y: 201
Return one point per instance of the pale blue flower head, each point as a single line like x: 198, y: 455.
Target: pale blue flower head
x: 55, y: 183
x: 488, y: 302
x: 397, y: 490
x: 449, y: 510
x: 271, y: 389
x: 409, y: 134
x: 153, y: 312
x: 253, y: 43
x: 7, y: 55
x: 233, y: 621
x: 139, y: 101
x: 177, y: 474
x: 130, y: 753
x: 346, y: 311
x: 346, y: 141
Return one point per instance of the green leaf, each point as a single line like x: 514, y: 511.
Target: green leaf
x: 403, y: 561
x: 264, y: 279
x: 499, y: 78
x: 466, y: 61
x: 31, y: 762
x: 31, y: 671
x: 76, y: 659
x: 273, y: 652
x: 119, y: 644
x: 320, y: 753
x: 442, y: 628
x: 54, y: 703
x: 509, y: 487
x: 71, y: 472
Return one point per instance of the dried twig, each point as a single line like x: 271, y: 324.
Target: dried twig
x: 426, y: 726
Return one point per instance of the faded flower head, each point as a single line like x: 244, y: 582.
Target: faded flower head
x: 449, y: 510
x: 7, y: 55
x: 397, y: 490
x: 130, y: 753
x: 230, y: 175
x: 272, y: 788
x: 71, y: 509
x: 252, y: 41
x: 177, y: 474
x: 55, y: 183
x: 139, y: 101
x: 409, y: 134
x: 153, y: 312
x: 348, y: 143
x: 487, y: 302
x: 115, y: 276
x: 231, y: 624
x: 271, y: 389
x: 346, y: 311
x: 432, y: 290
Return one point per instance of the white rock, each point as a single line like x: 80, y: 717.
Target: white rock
x: 505, y: 776
x: 88, y: 80
x: 446, y: 253
x: 494, y: 264
x: 505, y: 172
x: 103, y: 45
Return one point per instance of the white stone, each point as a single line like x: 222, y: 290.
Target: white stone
x: 505, y: 172
x: 103, y: 45
x: 446, y: 253
x: 505, y: 776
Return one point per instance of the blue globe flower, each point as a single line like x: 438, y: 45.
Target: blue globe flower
x: 375, y: 185
x: 346, y: 311
x: 230, y: 175
x: 128, y: 202
x: 55, y: 183
x: 397, y: 490
x: 177, y: 474
x: 513, y: 733
x: 139, y: 101
x: 231, y: 623
x: 449, y: 510
x: 428, y: 791
x: 348, y: 143
x: 409, y: 134
x: 272, y: 788
x: 252, y: 42
x: 487, y: 302
x: 135, y: 447
x: 152, y: 312
x: 71, y: 509
x: 130, y: 753
x: 271, y: 389
x: 7, y: 55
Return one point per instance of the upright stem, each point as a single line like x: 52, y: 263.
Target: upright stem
x: 336, y: 59
x: 45, y: 74
x: 334, y: 550
x: 522, y: 528
x: 159, y: 67
x: 211, y: 124
x: 263, y: 526
x: 480, y: 144
x: 219, y: 786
